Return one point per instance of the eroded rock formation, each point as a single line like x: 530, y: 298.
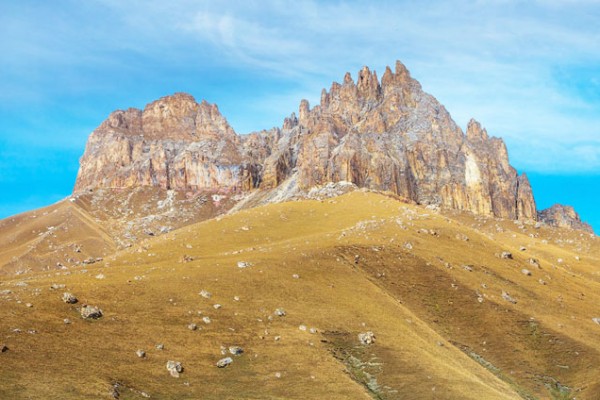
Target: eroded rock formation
x: 564, y: 217
x: 387, y: 135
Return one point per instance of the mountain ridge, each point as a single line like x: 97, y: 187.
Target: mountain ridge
x: 386, y: 135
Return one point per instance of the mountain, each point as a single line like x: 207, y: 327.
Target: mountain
x: 388, y: 136
x: 367, y: 248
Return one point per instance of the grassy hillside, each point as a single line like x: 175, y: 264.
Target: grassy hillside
x: 428, y: 285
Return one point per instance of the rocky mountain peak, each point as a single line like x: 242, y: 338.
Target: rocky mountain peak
x: 475, y: 132
x: 176, y: 117
x: 386, y: 135
x: 565, y: 217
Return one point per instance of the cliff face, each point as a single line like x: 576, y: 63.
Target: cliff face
x: 174, y: 143
x: 387, y: 135
x: 393, y: 136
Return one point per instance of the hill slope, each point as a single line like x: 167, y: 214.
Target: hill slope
x: 428, y: 285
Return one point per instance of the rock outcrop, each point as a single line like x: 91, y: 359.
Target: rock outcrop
x: 174, y: 143
x: 563, y: 217
x: 384, y: 135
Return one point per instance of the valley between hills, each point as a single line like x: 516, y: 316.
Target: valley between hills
x: 366, y: 249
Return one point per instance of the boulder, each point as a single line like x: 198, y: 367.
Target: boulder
x: 90, y: 312
x: 69, y: 298
x: 174, y: 368
x: 223, y: 362
x: 366, y: 338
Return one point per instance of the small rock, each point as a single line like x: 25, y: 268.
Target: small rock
x: 174, y: 368
x: 313, y: 330
x: 69, y: 298
x: 468, y: 268
x: 277, y: 375
x: 206, y: 320
x: 192, y: 327
x: 560, y: 261
x: 243, y: 264
x: 366, y: 338
x: 160, y: 346
x: 66, y: 321
x: 542, y: 282
x: 205, y: 294
x: 100, y: 276
x: 28, y: 305
x: 523, y: 248
x: 3, y: 348
x: 525, y: 271
x: 277, y: 338
x: 223, y: 362
x: 236, y: 298
x: 534, y: 262
x: 90, y: 312
x: 140, y: 353
x: 506, y: 255
x: 5, y: 292
x: 280, y: 312
x: 508, y: 297
x: 596, y: 320
x: 296, y: 276
x: 302, y: 327
x: 236, y: 350
x: 408, y: 246
x: 217, y: 306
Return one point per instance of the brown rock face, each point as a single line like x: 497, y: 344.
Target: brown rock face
x: 563, y: 217
x: 393, y: 136
x: 387, y: 135
x: 174, y: 143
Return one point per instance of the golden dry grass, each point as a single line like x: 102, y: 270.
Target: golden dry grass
x: 357, y: 272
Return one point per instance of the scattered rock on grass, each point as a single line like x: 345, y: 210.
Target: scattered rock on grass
x: 69, y: 298
x: 140, y: 353
x: 192, y: 327
x: 596, y: 320
x: 206, y: 320
x: 236, y: 350
x: 3, y: 348
x: 366, y: 338
x: 506, y: 255
x: 174, y: 368
x: 206, y: 294
x: 160, y: 346
x: 90, y: 312
x: 223, y: 362
x: 525, y: 271
x: 280, y: 312
x: 243, y: 264
x: 508, y: 297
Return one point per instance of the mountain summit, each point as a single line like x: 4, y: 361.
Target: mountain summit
x: 386, y: 135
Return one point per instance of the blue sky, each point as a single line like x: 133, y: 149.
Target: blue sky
x: 529, y: 71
